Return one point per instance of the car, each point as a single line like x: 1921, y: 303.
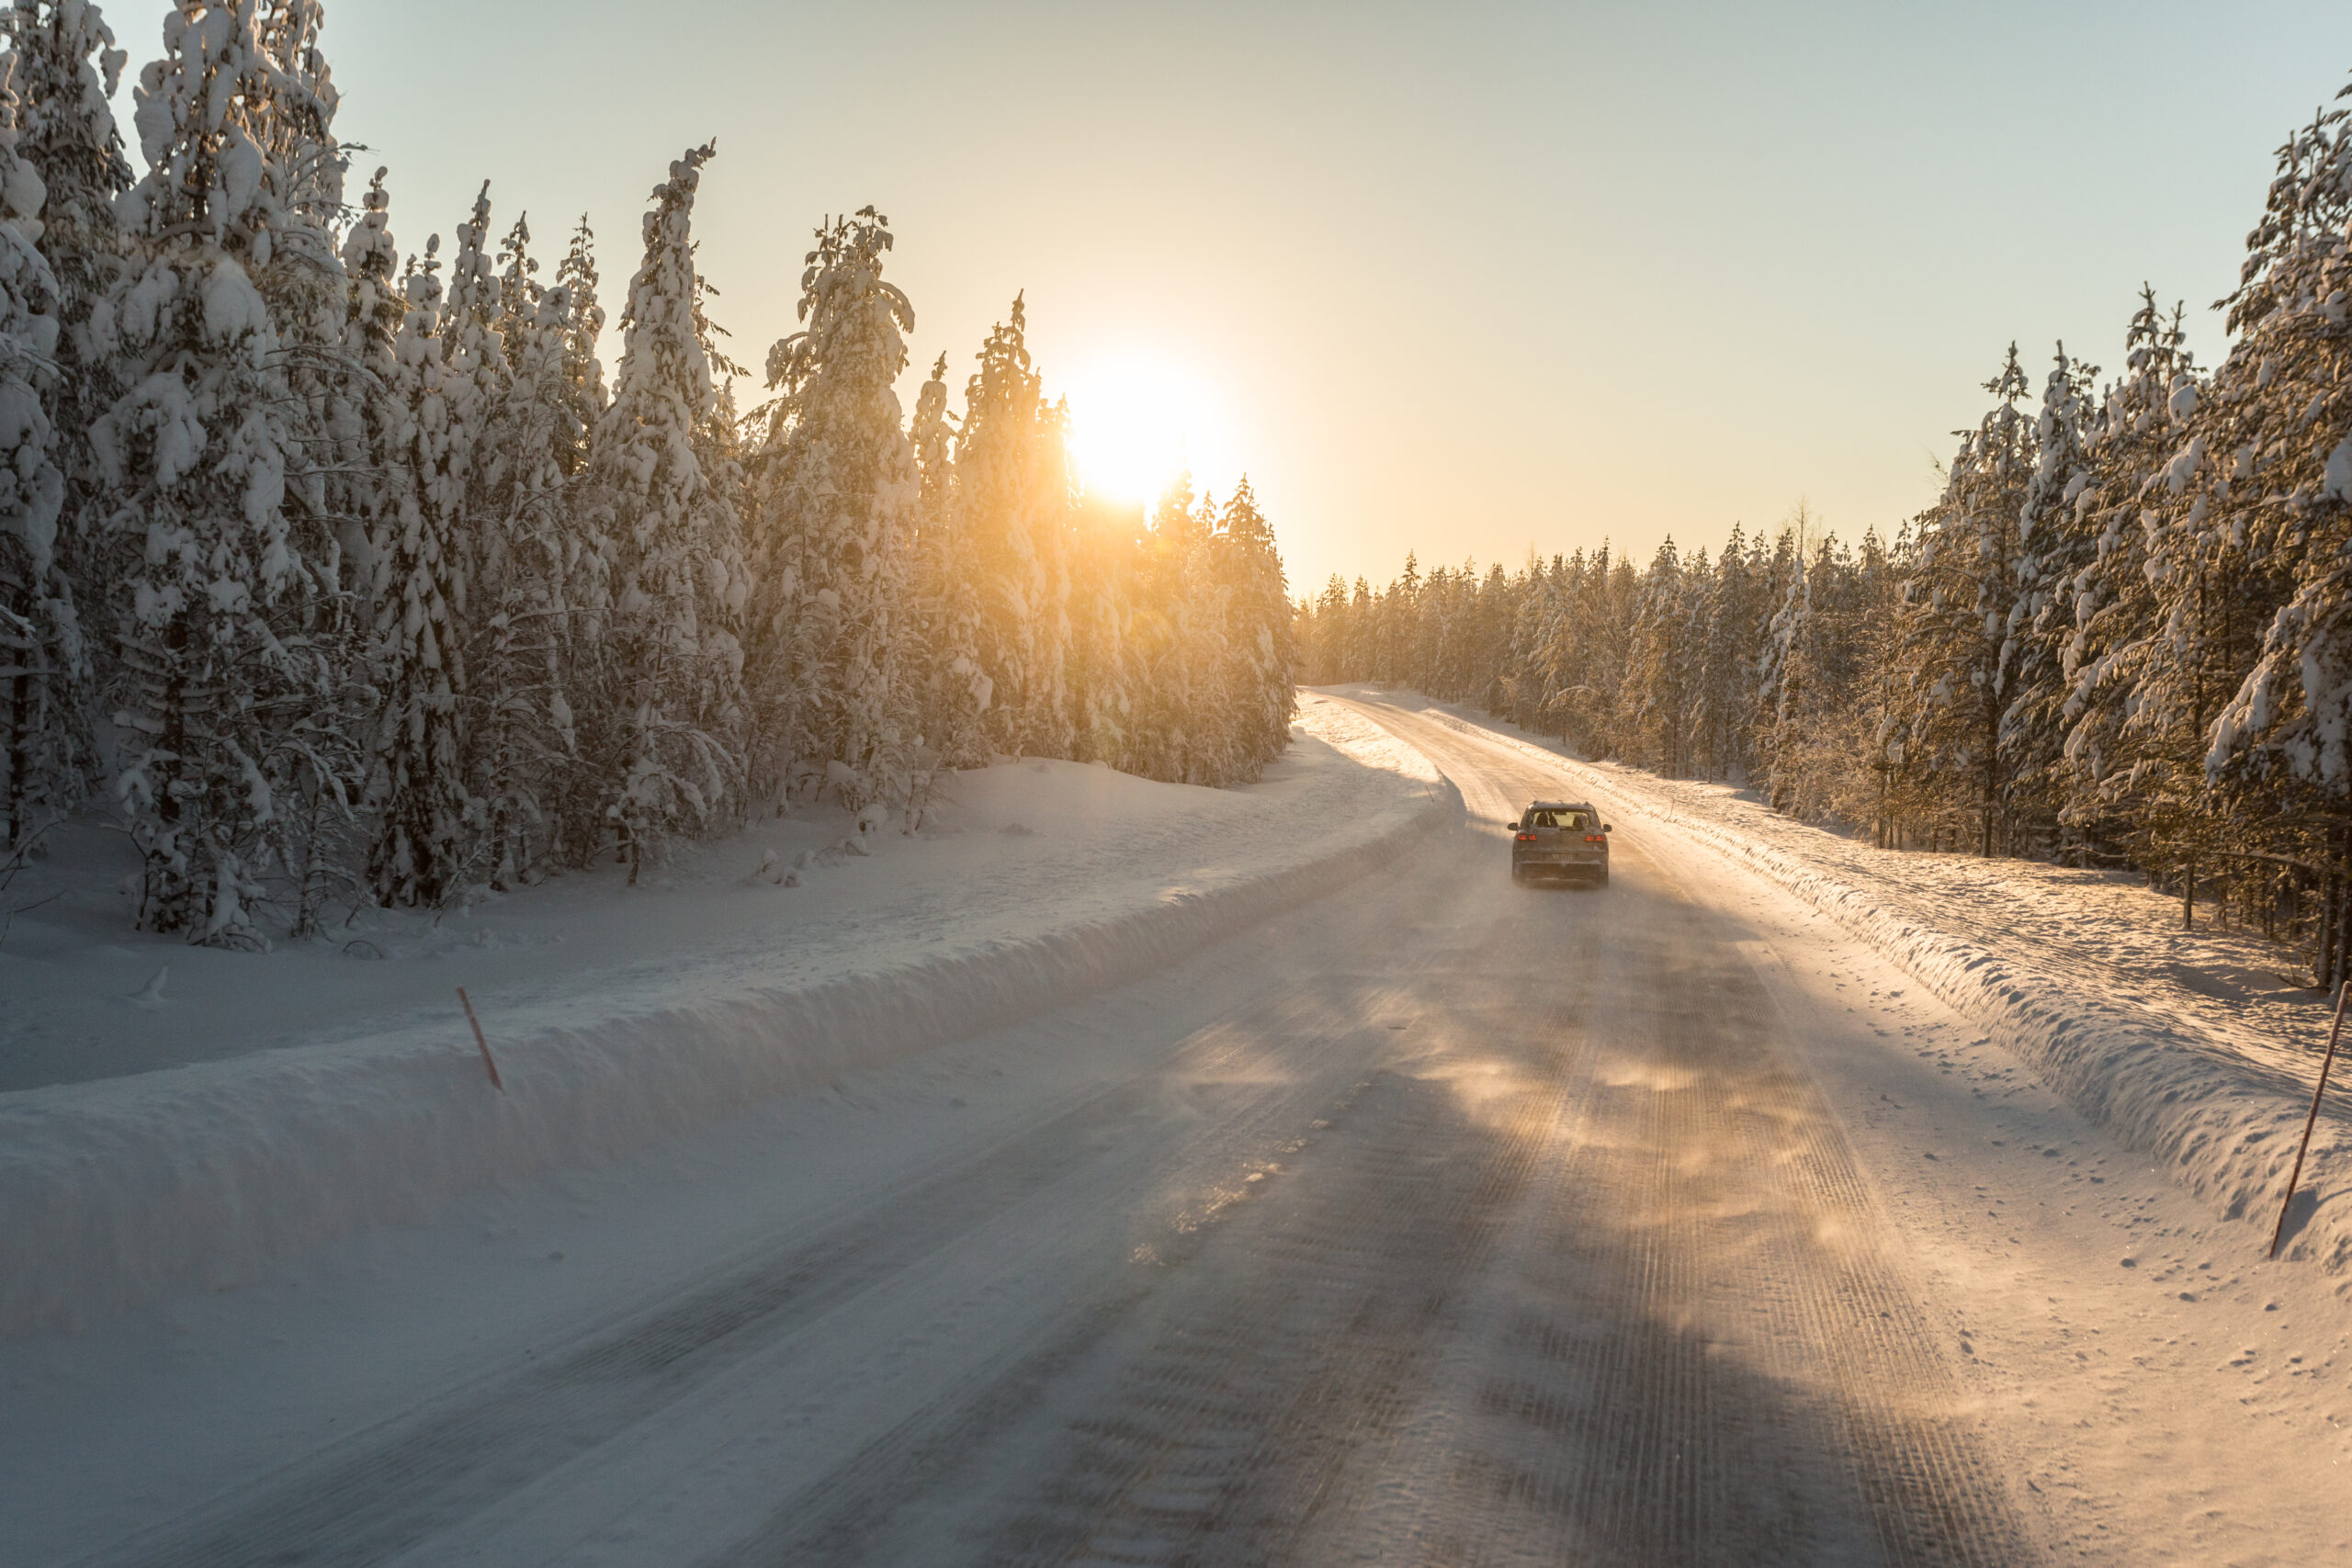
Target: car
x: 1563, y: 838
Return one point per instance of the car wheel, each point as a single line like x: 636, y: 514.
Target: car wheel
x: 1604, y: 880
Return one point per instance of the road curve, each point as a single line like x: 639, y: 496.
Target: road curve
x: 1440, y: 1222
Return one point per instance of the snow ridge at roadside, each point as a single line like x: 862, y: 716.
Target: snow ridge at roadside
x: 113, y: 1191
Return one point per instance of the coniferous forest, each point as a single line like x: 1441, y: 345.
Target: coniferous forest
x: 337, y: 573
x: 2118, y: 638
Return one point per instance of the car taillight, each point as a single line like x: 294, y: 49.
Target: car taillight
x: 1594, y: 839
x: 1527, y: 837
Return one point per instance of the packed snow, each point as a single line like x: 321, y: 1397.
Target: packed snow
x: 1196, y: 1211
x: 2198, y: 1048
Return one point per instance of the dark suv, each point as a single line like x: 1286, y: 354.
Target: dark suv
x: 1561, y: 838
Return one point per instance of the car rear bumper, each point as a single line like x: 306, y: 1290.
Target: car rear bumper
x: 1561, y: 863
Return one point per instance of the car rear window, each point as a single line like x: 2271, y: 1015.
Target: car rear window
x: 1574, y: 821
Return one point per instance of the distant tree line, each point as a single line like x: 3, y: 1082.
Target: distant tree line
x: 2119, y: 636
x: 331, y: 573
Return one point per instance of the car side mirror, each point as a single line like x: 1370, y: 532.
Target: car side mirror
x: 1607, y: 829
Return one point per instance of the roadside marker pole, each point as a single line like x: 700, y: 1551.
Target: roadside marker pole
x: 500, y: 1087
x: 2334, y: 1030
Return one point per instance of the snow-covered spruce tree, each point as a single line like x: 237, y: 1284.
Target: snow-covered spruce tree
x: 66, y: 69
x: 2054, y: 545
x: 504, y: 585
x: 1956, y: 613
x: 1727, y: 675
x: 1324, y: 634
x: 62, y: 68
x: 953, y: 686
x: 231, y: 685
x: 673, y: 720
x: 2265, y: 476
x: 1102, y: 567
x: 1532, y: 609
x: 416, y: 783
x: 2114, y: 615
x: 1011, y: 525
x: 1784, y: 694
x: 590, y: 557
x: 40, y: 772
x: 1264, y: 685
x: 1658, y: 678
x: 583, y: 375
x: 1176, y: 643
x: 521, y: 759
x: 1205, y: 612
x: 835, y: 497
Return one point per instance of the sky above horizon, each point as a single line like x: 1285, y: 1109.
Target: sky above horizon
x: 1465, y: 281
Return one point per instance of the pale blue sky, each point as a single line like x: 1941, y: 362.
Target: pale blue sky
x: 1467, y: 277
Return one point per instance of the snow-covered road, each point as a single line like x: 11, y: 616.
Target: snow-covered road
x: 1438, y: 1221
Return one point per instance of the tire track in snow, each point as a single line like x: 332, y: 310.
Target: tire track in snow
x: 379, y: 1493
x: 1843, y: 1353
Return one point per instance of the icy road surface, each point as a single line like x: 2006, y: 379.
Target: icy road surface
x: 1439, y: 1222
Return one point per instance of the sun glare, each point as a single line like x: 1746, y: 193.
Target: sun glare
x: 1134, y: 425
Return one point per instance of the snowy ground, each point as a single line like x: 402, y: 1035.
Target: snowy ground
x: 1007, y: 852
x: 618, y: 1016
x: 1431, y: 1220
x: 2194, y: 1047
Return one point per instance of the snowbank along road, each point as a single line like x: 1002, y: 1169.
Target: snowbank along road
x: 1438, y: 1221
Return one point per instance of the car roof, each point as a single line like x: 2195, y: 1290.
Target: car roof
x: 1559, y: 806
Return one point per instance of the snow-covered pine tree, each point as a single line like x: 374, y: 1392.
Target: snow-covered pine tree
x: 1532, y: 608
x: 231, y: 684
x: 1727, y: 676
x: 40, y: 771
x: 592, y: 556
x: 583, y: 373
x: 1783, y: 693
x: 955, y: 685
x: 522, y: 762
x: 1324, y: 635
x: 673, y: 714
x: 416, y: 783
x: 1659, y: 695
x: 67, y: 68
x: 499, y: 586
x: 2108, y: 609
x: 1102, y: 567
x: 1956, y: 613
x: 62, y: 68
x: 1206, y: 722
x: 1265, y: 692
x: 1175, y: 642
x: 2265, y: 476
x: 2054, y: 545
x: 2113, y: 615
x: 837, y: 497
x: 359, y: 420
x: 1011, y: 523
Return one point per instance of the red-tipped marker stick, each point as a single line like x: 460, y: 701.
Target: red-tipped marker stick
x: 500, y: 1087
x: 2334, y: 1030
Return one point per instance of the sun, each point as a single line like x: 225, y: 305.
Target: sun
x: 1136, y: 422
